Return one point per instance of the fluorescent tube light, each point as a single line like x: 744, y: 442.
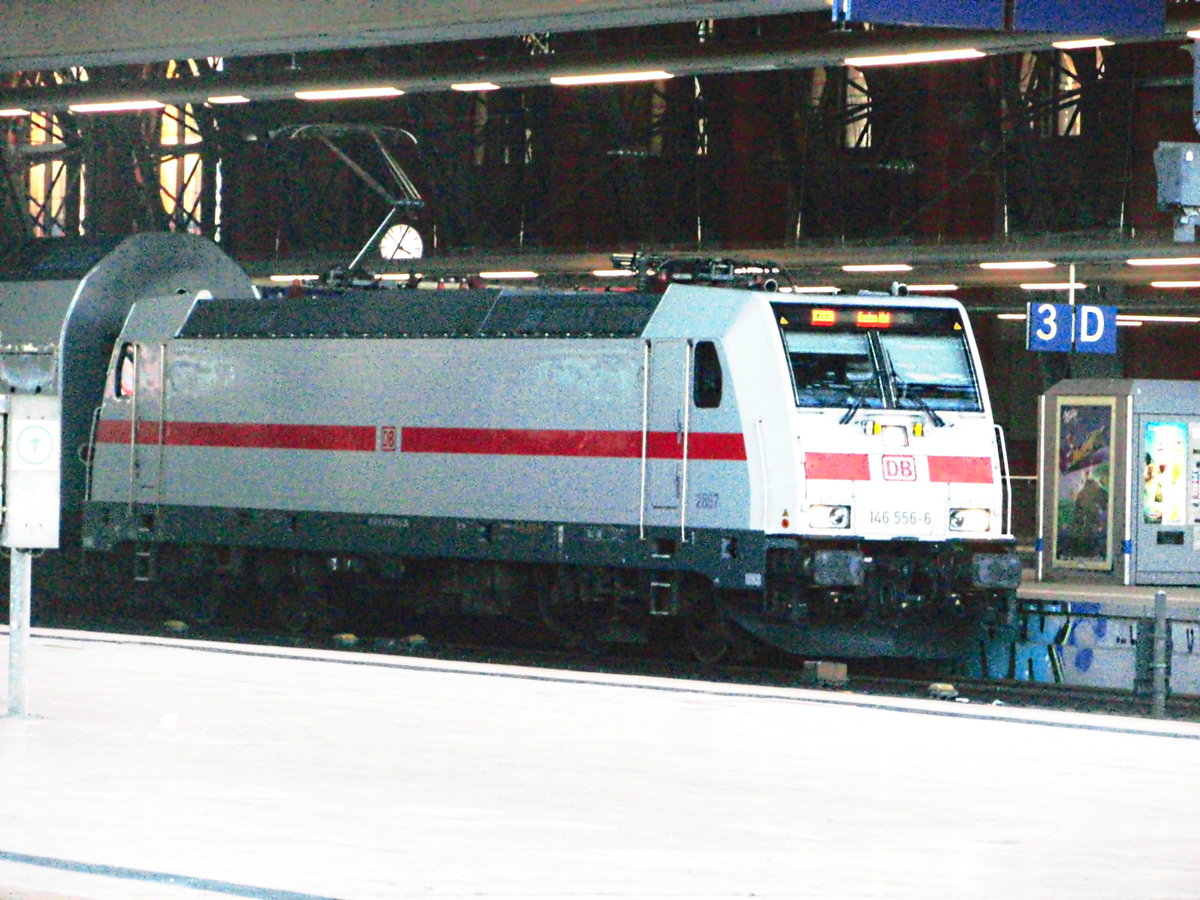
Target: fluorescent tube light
x: 613, y: 273
x: 1018, y: 264
x: 349, y: 93
x: 515, y: 274
x: 878, y: 267
x: 290, y: 278
x: 813, y: 289
x: 1122, y: 321
x: 229, y: 99
x: 475, y: 86
x: 931, y: 288
x: 1175, y: 284
x: 1139, y: 319
x: 1082, y: 43
x: 900, y: 59
x: 1165, y: 261
x: 1053, y: 286
x: 609, y: 78
x: 14, y: 113
x: 115, y: 106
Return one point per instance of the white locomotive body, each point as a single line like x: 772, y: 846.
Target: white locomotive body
x: 824, y: 472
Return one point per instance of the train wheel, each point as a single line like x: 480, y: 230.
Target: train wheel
x: 565, y: 611
x: 708, y: 638
x: 210, y: 603
x: 302, y: 606
x: 143, y: 601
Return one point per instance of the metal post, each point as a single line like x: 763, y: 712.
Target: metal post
x: 1159, y: 663
x: 19, y: 581
x: 1071, y: 300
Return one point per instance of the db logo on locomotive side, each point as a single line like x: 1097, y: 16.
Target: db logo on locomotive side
x: 387, y: 438
x: 899, y: 468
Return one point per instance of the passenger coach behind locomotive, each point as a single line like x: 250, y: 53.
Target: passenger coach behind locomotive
x: 823, y: 472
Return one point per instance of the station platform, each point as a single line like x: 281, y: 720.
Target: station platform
x: 1096, y: 634
x: 156, y: 768
x: 1134, y: 600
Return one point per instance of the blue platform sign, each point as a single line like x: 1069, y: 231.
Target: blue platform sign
x: 1095, y: 329
x: 1063, y: 328
x: 957, y: 14
x: 1106, y: 18
x: 1050, y: 327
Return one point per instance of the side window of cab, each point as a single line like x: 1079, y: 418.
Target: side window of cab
x: 126, y: 374
x: 706, y: 376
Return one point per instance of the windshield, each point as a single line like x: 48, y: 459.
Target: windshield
x: 856, y: 357
x: 833, y: 369
x: 930, y: 368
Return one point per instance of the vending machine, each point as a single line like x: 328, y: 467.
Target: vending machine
x: 1119, y: 482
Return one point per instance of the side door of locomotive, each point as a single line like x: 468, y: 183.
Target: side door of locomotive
x: 147, y: 423
x: 669, y: 363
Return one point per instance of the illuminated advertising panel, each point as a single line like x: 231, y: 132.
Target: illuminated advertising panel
x: 1164, y: 476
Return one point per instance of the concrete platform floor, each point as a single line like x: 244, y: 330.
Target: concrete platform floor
x: 164, y: 769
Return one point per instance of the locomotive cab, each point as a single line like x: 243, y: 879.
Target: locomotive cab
x: 898, y: 520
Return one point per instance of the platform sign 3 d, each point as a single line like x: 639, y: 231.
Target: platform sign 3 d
x: 1064, y: 328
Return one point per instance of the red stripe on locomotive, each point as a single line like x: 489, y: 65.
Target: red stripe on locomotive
x: 961, y: 469
x: 856, y: 467
x: 257, y: 436
x: 728, y: 446
x: 612, y: 444
x: 838, y: 466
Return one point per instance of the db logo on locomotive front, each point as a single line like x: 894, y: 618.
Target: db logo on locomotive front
x: 899, y: 468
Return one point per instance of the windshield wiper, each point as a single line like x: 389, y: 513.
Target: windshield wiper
x: 857, y: 399
x: 913, y: 393
x: 901, y: 389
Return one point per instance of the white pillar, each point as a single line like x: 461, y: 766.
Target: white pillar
x: 19, y: 581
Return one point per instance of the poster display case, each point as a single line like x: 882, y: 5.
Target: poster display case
x: 1082, y: 536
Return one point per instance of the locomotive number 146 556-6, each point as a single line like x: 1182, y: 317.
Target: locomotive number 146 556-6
x: 900, y: 517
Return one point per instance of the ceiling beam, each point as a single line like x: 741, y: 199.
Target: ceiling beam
x: 257, y: 82
x: 39, y: 35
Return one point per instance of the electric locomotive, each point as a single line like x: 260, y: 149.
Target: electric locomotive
x: 820, y: 472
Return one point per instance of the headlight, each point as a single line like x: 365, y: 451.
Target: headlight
x: 970, y: 519
x: 822, y: 516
